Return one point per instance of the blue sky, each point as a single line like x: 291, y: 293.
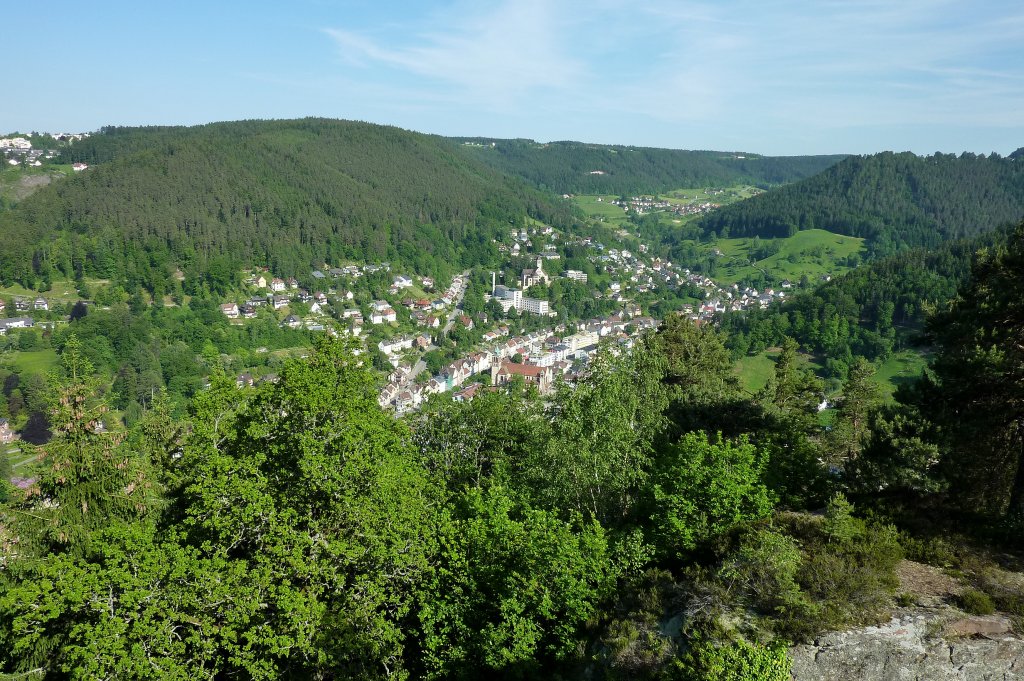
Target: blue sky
x: 765, y: 76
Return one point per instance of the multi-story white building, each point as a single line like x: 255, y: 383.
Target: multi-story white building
x: 508, y: 297
x: 536, y: 306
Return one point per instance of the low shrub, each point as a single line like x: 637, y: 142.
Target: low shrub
x: 976, y: 602
x: 735, y: 660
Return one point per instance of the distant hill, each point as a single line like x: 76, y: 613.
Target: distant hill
x: 892, y: 200
x: 288, y: 194
x: 579, y: 168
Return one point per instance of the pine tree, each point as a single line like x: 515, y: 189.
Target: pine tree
x: 976, y: 391
x: 851, y: 425
x: 86, y: 478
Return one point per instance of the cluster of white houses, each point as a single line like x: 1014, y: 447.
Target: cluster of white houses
x: 282, y: 292
x: 23, y: 305
x: 8, y: 323
x: 646, y: 204
x: 19, y: 151
x: 541, y: 358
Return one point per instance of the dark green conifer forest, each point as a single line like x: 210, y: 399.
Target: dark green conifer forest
x: 578, y: 168
x: 895, y: 201
x: 290, y: 195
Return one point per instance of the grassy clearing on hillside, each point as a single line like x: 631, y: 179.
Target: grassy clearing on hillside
x: 34, y: 361
x: 903, y: 367
x: 17, y: 182
x: 754, y: 371
x: 812, y: 252
x: 63, y: 290
x: 601, y: 206
x: 22, y: 462
x: 722, y: 196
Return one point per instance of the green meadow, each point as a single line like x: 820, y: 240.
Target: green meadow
x: 62, y: 290
x: 34, y: 361
x: 812, y: 252
x: 902, y: 367
x: 600, y: 206
x: 754, y: 371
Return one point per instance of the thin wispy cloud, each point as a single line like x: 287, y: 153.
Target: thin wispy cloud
x: 506, y: 53
x: 775, y: 77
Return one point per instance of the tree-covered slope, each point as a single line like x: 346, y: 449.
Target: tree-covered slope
x: 287, y: 194
x: 893, y: 200
x: 867, y: 312
x: 580, y: 168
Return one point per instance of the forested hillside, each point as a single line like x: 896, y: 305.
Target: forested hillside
x: 892, y: 200
x: 287, y: 194
x: 579, y: 168
x: 868, y: 312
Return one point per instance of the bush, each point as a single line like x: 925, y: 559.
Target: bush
x: 735, y: 660
x: 814, y: 574
x: 976, y: 602
x: 934, y: 551
x: 765, y: 567
x: 705, y: 487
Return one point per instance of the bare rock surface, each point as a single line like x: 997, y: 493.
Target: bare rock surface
x: 917, y: 644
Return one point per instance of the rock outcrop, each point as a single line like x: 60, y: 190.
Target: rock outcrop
x: 918, y: 644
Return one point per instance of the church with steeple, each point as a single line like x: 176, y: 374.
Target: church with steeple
x: 536, y: 276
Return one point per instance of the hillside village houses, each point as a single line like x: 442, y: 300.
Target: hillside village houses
x: 504, y: 371
x: 15, y: 323
x: 541, y: 356
x: 544, y: 358
x: 7, y: 434
x: 383, y: 315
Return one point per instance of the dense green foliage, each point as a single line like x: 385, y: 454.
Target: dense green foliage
x: 705, y: 488
x: 960, y: 427
x: 867, y: 312
x: 296, y: 530
x: 894, y: 201
x: 286, y: 194
x: 569, y: 167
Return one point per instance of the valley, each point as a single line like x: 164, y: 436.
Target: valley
x: 511, y: 408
